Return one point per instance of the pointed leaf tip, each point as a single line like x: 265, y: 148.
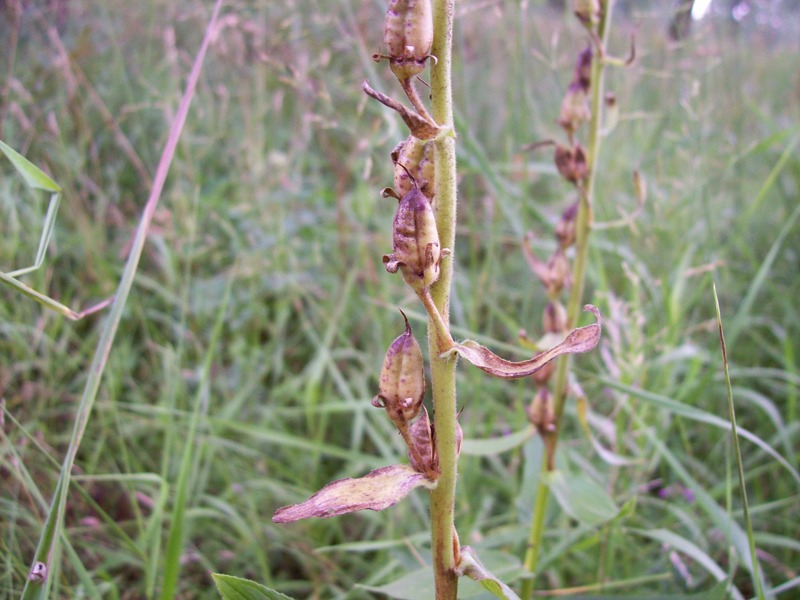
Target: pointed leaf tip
x: 577, y: 341
x: 377, y: 490
x: 469, y: 565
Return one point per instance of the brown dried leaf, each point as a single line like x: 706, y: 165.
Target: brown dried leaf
x: 579, y: 340
x: 377, y: 490
x: 420, y: 127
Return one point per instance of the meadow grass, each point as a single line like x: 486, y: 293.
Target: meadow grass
x: 271, y: 229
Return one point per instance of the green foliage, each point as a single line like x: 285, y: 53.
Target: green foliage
x: 274, y: 195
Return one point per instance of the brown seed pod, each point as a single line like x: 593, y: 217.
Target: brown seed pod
x: 571, y: 163
x: 574, y: 109
x: 554, y: 317
x: 415, y: 240
x: 565, y: 228
x: 408, y: 36
x: 414, y: 158
x: 559, y: 272
x: 422, y: 455
x: 402, y: 379
x: 541, y: 413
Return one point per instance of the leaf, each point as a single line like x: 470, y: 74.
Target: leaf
x: 469, y: 565
x: 377, y: 490
x: 236, y: 588
x: 497, y: 445
x: 582, y: 498
x: 419, y: 583
x: 578, y: 341
x: 611, y: 458
x: 33, y: 175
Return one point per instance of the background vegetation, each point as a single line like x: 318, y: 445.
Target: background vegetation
x: 275, y: 194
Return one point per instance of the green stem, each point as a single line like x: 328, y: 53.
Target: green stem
x: 583, y: 227
x: 443, y: 374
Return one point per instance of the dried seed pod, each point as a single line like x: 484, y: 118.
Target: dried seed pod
x: 414, y: 158
x: 582, y: 75
x: 415, y: 240
x: 541, y: 413
x: 554, y: 317
x: 408, y: 36
x: 587, y: 11
x: 565, y: 228
x: 574, y: 109
x: 402, y: 380
x: 571, y: 163
x: 559, y: 272
x: 423, y: 453
x: 543, y: 375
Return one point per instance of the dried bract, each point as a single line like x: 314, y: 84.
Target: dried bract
x: 577, y: 341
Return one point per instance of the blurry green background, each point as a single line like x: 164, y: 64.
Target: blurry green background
x: 275, y: 191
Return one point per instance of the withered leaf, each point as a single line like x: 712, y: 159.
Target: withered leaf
x: 420, y: 127
x: 578, y: 341
x: 377, y: 490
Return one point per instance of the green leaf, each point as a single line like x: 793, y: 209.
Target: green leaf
x: 498, y: 445
x: 419, y: 584
x: 33, y: 175
x: 582, y: 498
x: 235, y: 588
x: 469, y: 565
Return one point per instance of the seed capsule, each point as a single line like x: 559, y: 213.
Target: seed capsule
x: 554, y: 318
x: 414, y: 158
x: 402, y: 380
x: 415, y: 240
x: 574, y: 109
x: 571, y: 163
x: 541, y: 413
x: 565, y: 228
x: 408, y: 36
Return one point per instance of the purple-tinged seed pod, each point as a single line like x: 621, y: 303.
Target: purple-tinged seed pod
x: 408, y: 36
x: 414, y: 158
x: 402, y: 379
x: 415, y: 240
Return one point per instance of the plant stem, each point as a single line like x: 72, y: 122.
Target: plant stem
x: 583, y: 225
x: 443, y: 374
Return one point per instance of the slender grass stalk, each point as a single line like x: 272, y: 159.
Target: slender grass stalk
x: 443, y: 373
x: 47, y: 552
x: 584, y: 222
x: 737, y: 452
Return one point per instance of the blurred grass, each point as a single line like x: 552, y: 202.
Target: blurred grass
x: 275, y: 192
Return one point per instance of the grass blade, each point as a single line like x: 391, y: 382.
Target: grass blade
x: 47, y: 548
x: 738, y: 454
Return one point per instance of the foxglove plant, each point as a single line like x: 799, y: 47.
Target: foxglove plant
x: 418, y: 33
